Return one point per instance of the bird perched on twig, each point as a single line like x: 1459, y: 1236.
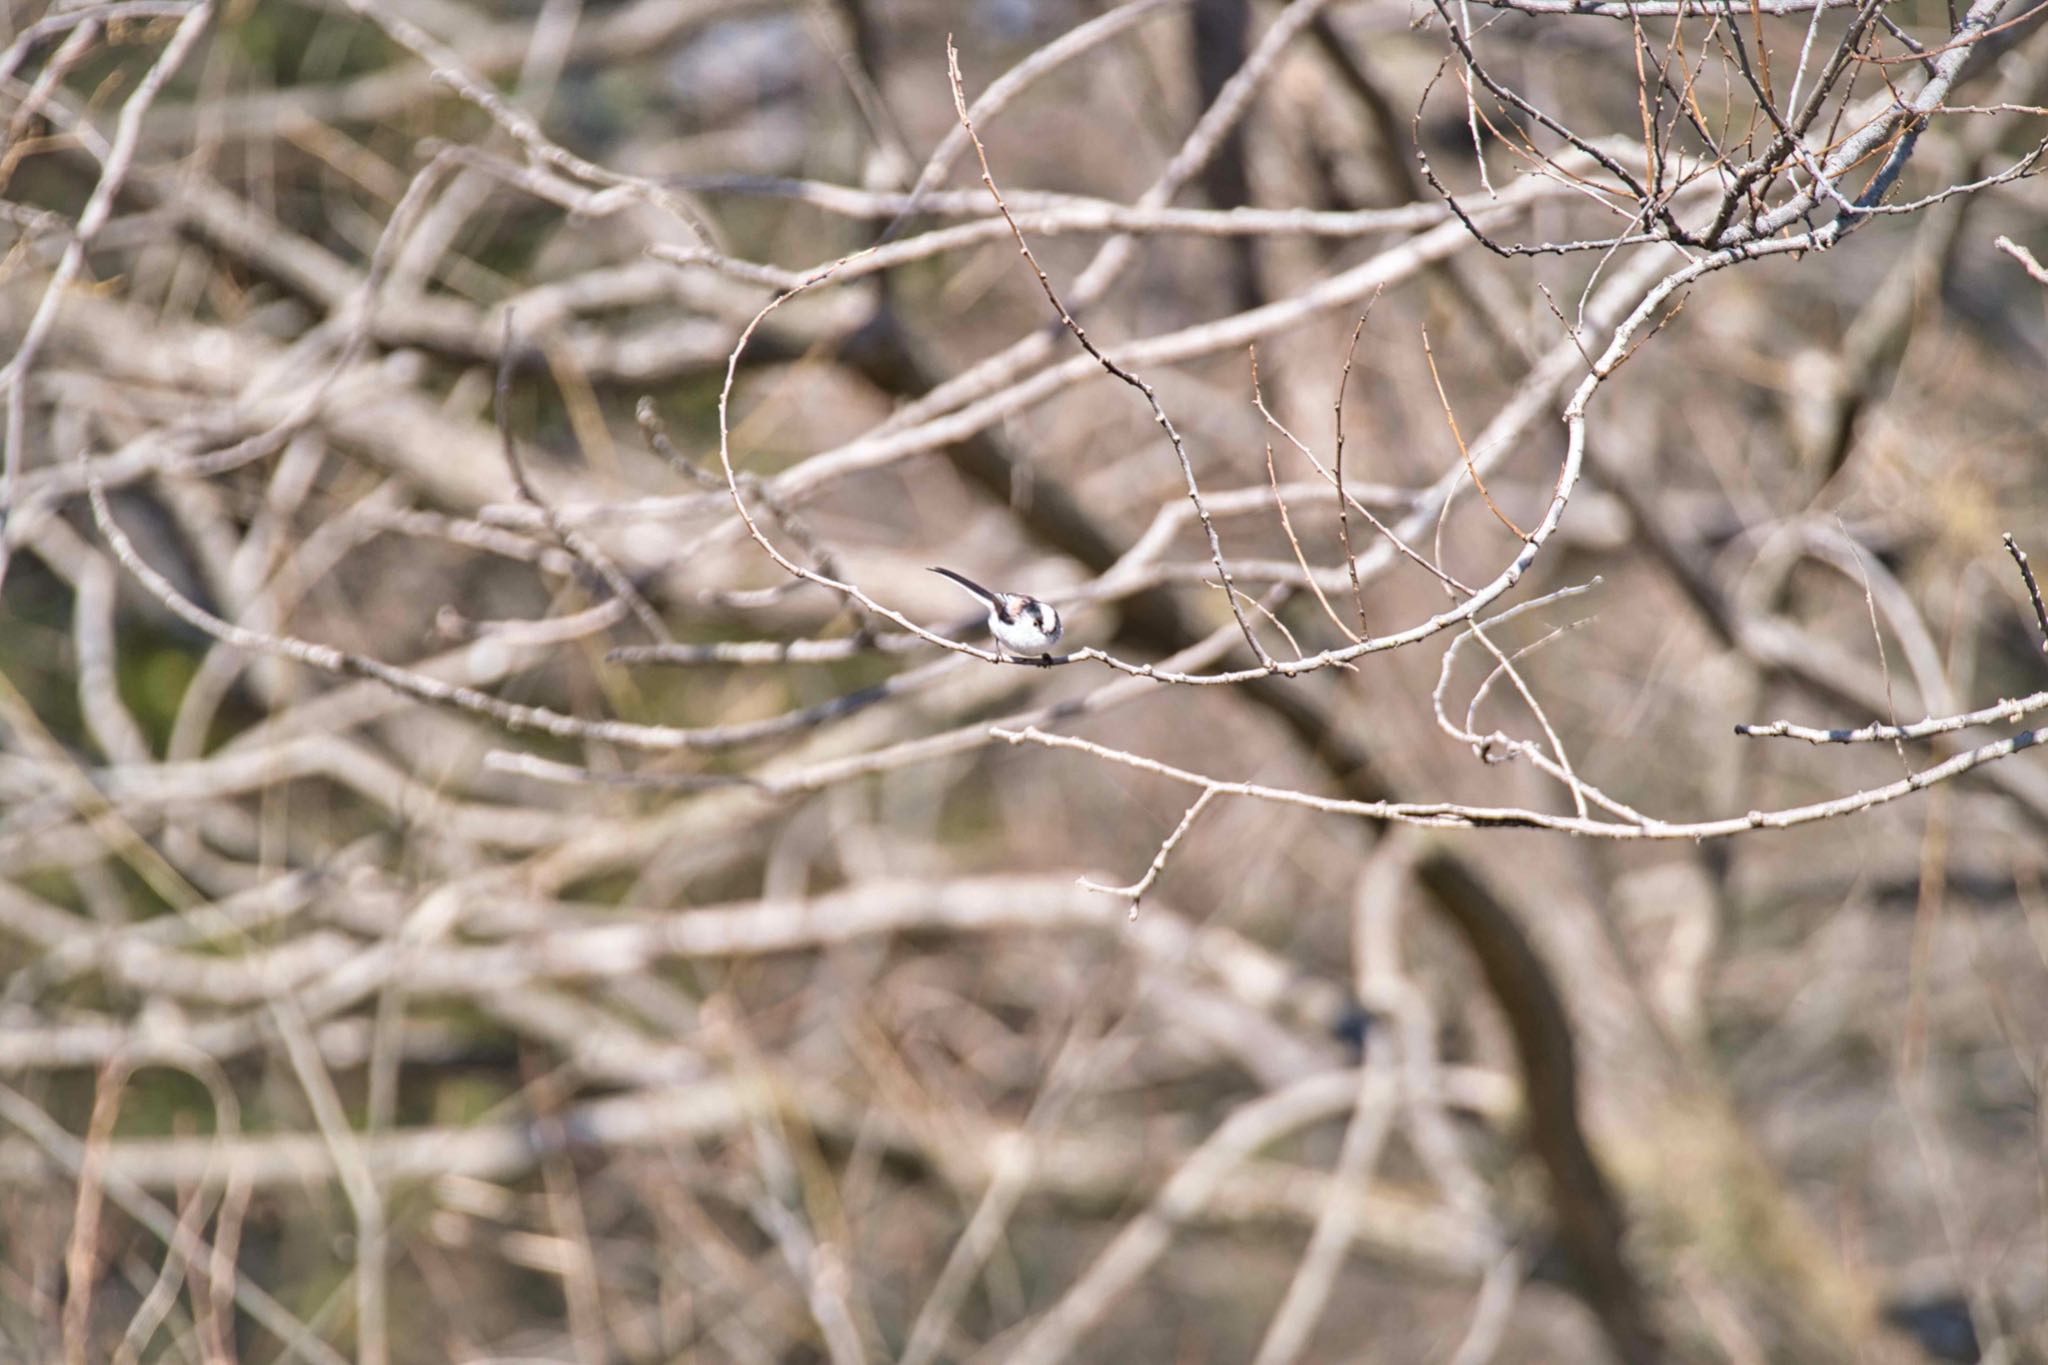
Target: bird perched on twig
x: 1026, y: 627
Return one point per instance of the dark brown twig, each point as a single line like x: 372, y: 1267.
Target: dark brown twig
x: 2019, y: 557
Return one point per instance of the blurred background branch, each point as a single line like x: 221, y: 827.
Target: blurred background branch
x: 460, y: 898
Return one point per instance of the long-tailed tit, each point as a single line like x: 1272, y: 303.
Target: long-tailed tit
x: 1024, y: 626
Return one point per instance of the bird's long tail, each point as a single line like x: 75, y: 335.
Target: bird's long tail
x: 983, y: 593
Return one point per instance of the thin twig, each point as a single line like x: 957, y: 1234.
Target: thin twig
x: 1455, y: 815
x: 2028, y: 261
x: 1080, y: 335
x: 1135, y: 892
x: 1337, y: 462
x: 1287, y: 522
x: 1464, y: 451
x: 2019, y: 557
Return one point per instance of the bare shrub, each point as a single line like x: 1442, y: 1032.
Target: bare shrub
x: 508, y: 853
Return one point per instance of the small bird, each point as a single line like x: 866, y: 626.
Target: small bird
x: 1024, y: 626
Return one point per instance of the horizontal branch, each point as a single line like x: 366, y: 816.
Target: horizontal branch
x: 1452, y: 815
